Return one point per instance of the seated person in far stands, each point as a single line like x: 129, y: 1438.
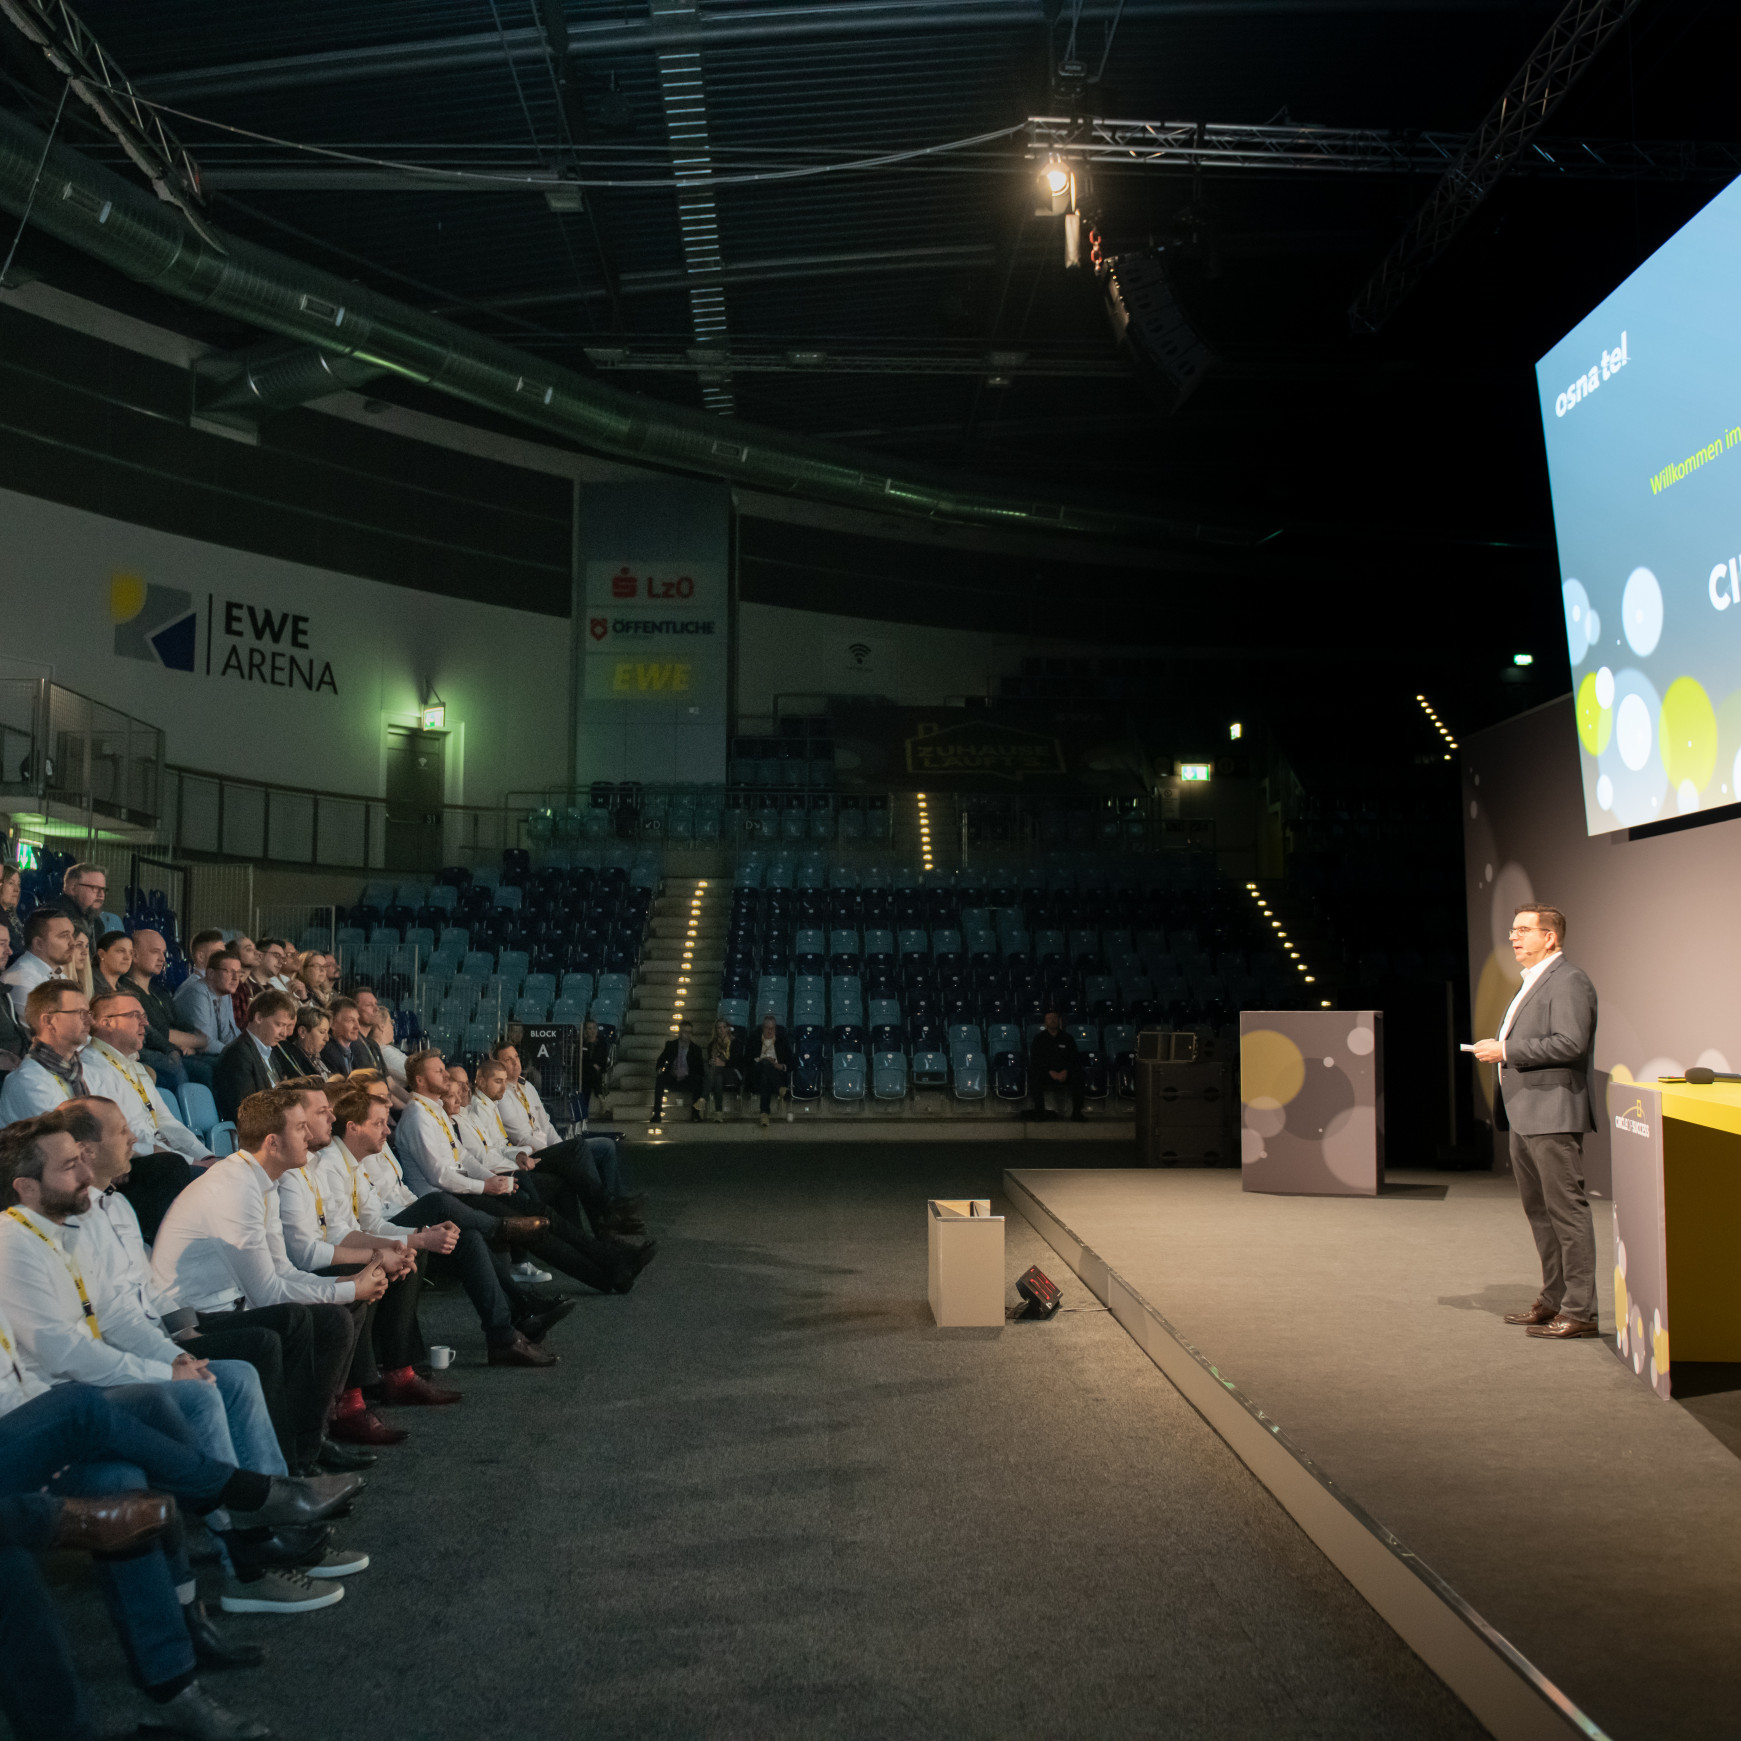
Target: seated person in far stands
x: 11, y: 892
x: 385, y: 1205
x: 14, y: 1036
x: 48, y: 948
x: 248, y: 983
x: 114, y: 961
x: 272, y: 953
x: 1054, y: 1063
x: 368, y: 1013
x: 392, y: 1058
x: 78, y: 967
x: 580, y: 1176
x: 165, y: 1151
x: 390, y: 1344
x: 765, y: 1062
x: 245, y: 1066
x: 204, y: 1003
x: 435, y: 1158
x: 84, y: 888
x: 595, y: 1059
x: 221, y: 1251
x: 344, y: 1052
x: 173, y: 1051
x: 680, y: 1069
x: 59, y: 1019
x: 319, y: 978
x: 202, y: 947
x: 300, y: 1054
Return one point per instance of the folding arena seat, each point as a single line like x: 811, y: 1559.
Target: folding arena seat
x: 914, y: 941
x: 479, y: 1038
x: 569, y: 1011
x: 1087, y: 1038
x: 773, y: 998
x: 848, y: 1076
x: 513, y: 964
x: 810, y: 940
x: 1049, y: 947
x: 478, y: 965
x: 455, y: 940
x: 967, y: 1073
x: 884, y: 1009
x: 735, y: 1010
x: 532, y: 1010
x: 964, y: 1037
x: 846, y: 1000
x: 887, y: 1037
x: 930, y: 1070
x: 844, y: 941
x: 1100, y: 994
x: 806, y: 1084
x: 889, y: 1075
x: 809, y: 999
x: 1003, y: 1037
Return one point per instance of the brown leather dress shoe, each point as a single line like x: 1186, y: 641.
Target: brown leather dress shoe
x: 416, y: 1391
x: 111, y: 1525
x: 520, y: 1352
x: 1564, y: 1329
x: 365, y: 1427
x: 518, y: 1229
x: 1537, y: 1314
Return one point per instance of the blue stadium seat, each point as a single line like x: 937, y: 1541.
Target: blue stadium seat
x: 889, y: 1075
x: 1087, y: 1038
x: 914, y: 941
x: 968, y: 1074
x: 884, y: 1009
x: 569, y: 1011
x: 772, y: 998
x: 810, y: 941
x: 1009, y: 1076
x: 735, y: 1010
x: 946, y: 941
x: 201, y: 1112
x: 848, y: 1076
x: 964, y: 1036
x: 532, y: 1010
x: 930, y: 1070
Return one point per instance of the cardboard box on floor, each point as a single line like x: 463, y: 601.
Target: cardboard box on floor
x: 967, y: 1262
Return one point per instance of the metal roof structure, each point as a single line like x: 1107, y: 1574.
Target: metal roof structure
x: 824, y: 216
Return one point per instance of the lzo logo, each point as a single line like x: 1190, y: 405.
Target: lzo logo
x: 155, y: 623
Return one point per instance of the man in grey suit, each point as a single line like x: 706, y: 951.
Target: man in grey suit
x: 1545, y: 1053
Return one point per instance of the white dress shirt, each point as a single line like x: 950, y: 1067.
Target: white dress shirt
x: 394, y: 1060
x: 388, y: 1179
x: 528, y: 1125
x: 42, y: 1265
x: 24, y: 976
x: 31, y: 1090
x: 432, y: 1152
x: 18, y: 1384
x: 353, y: 1205
x: 222, y: 1241
x: 113, y: 1230
x: 1530, y: 976
x: 480, y: 1124
x: 305, y: 1201
x: 125, y: 1081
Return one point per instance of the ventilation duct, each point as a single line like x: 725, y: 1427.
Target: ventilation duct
x: 96, y: 211
x: 278, y: 377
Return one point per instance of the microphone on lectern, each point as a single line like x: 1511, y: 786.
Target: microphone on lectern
x: 1698, y: 1074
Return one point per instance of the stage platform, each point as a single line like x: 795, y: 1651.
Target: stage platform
x: 875, y: 1125
x: 1561, y: 1546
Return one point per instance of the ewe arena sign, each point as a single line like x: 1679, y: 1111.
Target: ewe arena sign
x: 244, y: 643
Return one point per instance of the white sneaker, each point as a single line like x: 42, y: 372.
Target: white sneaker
x: 281, y: 1590
x: 339, y: 1563
x: 527, y: 1271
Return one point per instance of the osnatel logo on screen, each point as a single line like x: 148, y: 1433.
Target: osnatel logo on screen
x: 1611, y: 364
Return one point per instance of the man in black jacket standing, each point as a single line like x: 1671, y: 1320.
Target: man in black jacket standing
x: 1054, y: 1063
x: 681, y: 1069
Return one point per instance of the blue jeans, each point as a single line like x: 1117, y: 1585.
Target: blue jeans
x: 251, y: 1432
x: 606, y: 1162
x: 115, y: 1441
x: 39, y: 1689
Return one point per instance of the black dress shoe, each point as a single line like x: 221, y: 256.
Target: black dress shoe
x: 311, y: 1500
x: 278, y: 1550
x: 632, y: 1264
x: 210, y: 1648
x: 535, y: 1326
x: 345, y: 1457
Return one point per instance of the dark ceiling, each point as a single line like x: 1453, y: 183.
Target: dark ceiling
x: 1407, y: 463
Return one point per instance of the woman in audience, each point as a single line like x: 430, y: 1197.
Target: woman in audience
x: 719, y: 1050
x: 300, y: 1054
x: 78, y: 970
x: 382, y: 1034
x: 114, y: 960
x: 316, y: 976
x: 11, y: 891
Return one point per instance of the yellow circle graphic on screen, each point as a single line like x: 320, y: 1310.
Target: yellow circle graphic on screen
x: 1595, y: 722
x: 126, y: 596
x: 1688, y: 733
x: 1272, y: 1069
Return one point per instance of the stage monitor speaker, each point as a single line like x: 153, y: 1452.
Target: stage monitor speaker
x: 1041, y: 1293
x: 1146, y: 316
x: 1158, y: 1046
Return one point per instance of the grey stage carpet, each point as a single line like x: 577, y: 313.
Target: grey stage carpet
x: 764, y: 1496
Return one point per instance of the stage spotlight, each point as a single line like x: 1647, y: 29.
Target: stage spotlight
x: 1056, y: 186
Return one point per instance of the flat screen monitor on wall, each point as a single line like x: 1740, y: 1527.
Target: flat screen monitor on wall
x: 1641, y: 403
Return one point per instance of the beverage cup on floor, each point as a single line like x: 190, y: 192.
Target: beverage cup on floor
x: 441, y: 1358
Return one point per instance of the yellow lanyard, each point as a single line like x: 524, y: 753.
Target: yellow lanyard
x: 498, y: 1118
x: 319, y: 1203
x: 520, y: 1095
x: 72, y: 1269
x: 446, y: 1128
x: 351, y: 1170
x: 12, y: 1355
x: 138, y: 1086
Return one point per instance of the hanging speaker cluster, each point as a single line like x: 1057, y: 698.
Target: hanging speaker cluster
x: 1146, y: 318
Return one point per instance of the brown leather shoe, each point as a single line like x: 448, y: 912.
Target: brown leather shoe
x: 417, y: 1391
x: 1537, y: 1314
x: 1564, y: 1329
x: 518, y: 1229
x: 520, y: 1352
x: 111, y: 1525
x: 365, y: 1427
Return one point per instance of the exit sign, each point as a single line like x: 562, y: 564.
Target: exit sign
x: 1193, y: 770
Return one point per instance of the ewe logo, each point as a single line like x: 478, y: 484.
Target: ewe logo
x: 155, y: 623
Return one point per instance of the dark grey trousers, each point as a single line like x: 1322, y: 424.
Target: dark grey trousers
x: 1550, y: 1179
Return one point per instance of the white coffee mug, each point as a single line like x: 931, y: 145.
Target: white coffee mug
x: 441, y: 1358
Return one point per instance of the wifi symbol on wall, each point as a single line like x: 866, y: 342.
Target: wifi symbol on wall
x: 860, y: 652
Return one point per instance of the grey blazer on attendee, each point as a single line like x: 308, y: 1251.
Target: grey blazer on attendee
x: 1546, y: 1083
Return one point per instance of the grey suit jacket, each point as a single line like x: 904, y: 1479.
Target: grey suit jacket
x: 1545, y: 1083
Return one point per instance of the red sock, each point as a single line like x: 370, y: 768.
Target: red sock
x: 351, y: 1402
x: 400, y: 1375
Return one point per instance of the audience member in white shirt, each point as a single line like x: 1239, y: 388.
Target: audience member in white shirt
x: 221, y: 1249
x: 48, y: 949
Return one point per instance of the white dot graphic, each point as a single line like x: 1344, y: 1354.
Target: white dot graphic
x: 1641, y: 612
x: 1632, y: 732
x: 1605, y: 793
x: 1604, y: 687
